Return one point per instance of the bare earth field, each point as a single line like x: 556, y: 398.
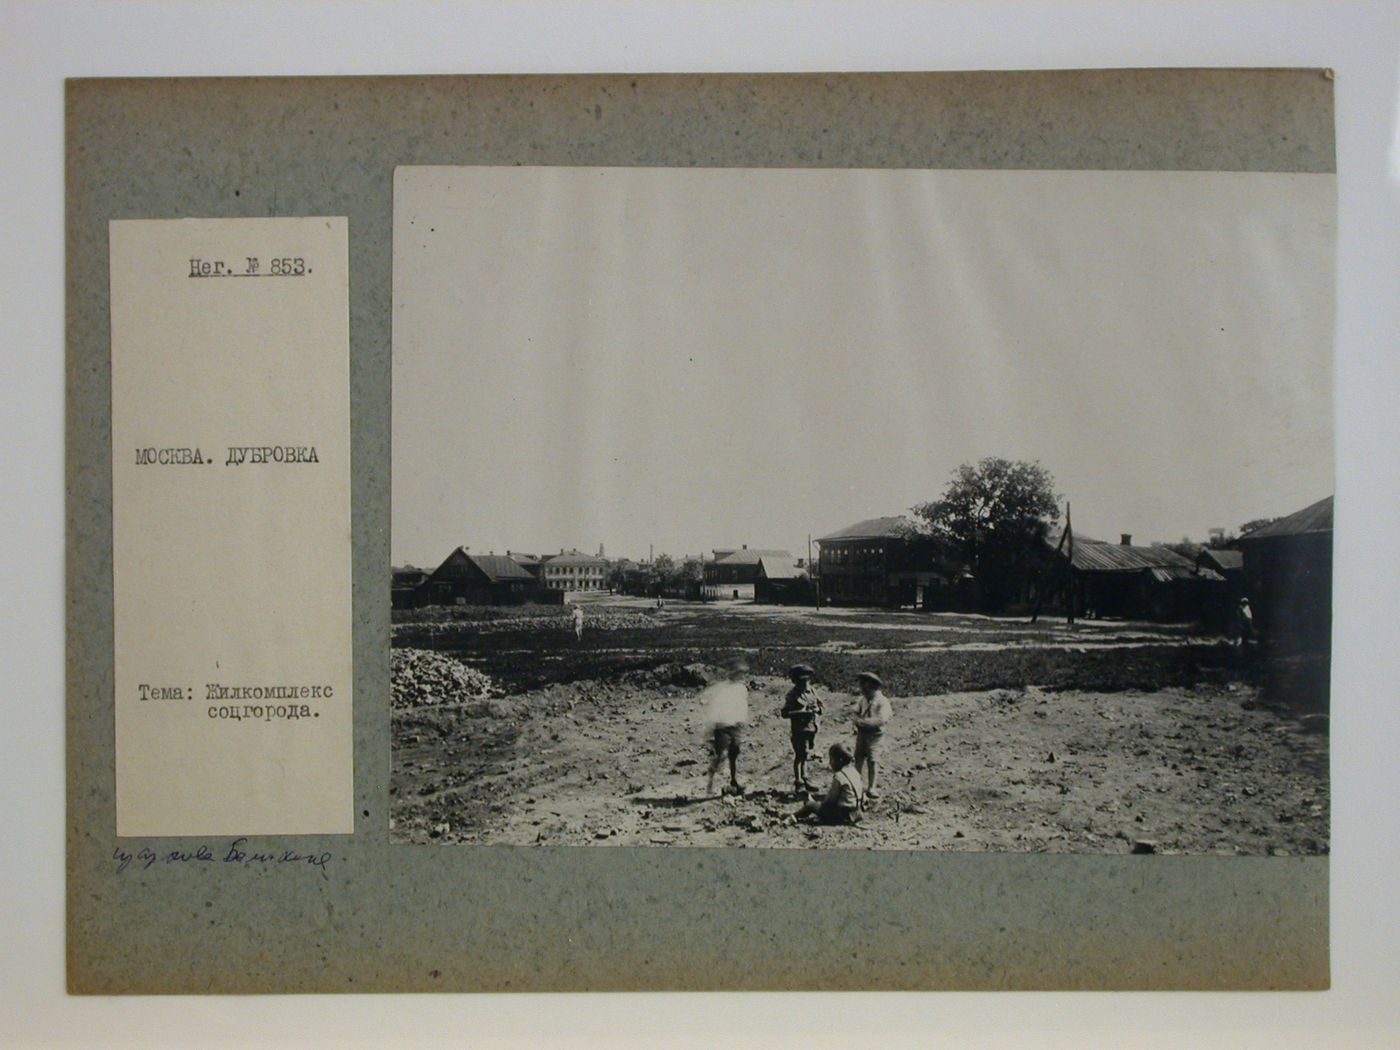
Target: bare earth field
x: 1103, y: 738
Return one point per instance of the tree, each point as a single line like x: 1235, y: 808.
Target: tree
x: 1257, y: 523
x: 690, y: 571
x: 994, y: 516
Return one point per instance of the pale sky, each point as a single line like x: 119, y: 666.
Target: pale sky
x: 701, y: 358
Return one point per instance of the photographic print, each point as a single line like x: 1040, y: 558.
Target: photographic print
x: 869, y: 509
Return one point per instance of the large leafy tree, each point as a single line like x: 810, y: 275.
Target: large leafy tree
x: 692, y: 570
x: 994, y: 516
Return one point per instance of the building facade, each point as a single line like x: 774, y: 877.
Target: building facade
x: 886, y: 562
x: 574, y: 571
x: 1288, y: 577
x: 733, y: 572
x: 1126, y: 581
x: 464, y: 578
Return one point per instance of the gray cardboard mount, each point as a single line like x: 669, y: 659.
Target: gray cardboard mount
x: 405, y: 918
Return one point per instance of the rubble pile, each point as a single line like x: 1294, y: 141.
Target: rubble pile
x: 420, y: 676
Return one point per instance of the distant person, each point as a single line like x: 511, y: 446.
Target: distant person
x: 873, y: 714
x: 802, y: 708
x: 725, y: 709
x: 842, y: 801
x: 1244, y: 623
x: 578, y: 623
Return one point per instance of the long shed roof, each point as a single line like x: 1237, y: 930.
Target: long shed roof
x: 1316, y: 517
x: 1118, y: 557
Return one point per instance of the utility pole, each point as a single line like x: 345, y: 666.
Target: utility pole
x: 1069, y: 553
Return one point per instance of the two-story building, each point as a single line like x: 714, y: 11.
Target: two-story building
x: 572, y: 570
x: 886, y: 561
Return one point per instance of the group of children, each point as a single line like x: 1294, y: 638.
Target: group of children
x: 855, y: 774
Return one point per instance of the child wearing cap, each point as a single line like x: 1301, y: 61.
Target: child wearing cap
x: 802, y: 708
x: 873, y: 714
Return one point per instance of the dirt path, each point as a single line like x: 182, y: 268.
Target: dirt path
x: 1189, y: 770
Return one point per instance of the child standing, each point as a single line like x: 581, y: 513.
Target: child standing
x: 873, y: 714
x: 802, y: 708
x: 725, y: 709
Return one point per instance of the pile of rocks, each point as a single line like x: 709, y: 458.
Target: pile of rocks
x: 420, y: 676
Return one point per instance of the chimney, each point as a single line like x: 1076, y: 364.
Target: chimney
x: 1126, y: 539
x: 746, y: 546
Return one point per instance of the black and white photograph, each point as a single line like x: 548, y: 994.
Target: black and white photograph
x: 897, y: 509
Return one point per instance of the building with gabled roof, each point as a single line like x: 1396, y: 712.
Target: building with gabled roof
x: 464, y: 578
x: 731, y: 574
x: 783, y: 581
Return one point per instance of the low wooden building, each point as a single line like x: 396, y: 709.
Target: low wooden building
x: 1288, y: 577
x: 782, y: 581
x: 464, y: 578
x: 733, y: 572
x: 1125, y: 581
x: 404, y: 588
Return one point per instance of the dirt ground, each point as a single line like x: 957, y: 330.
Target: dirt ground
x: 1175, y: 751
